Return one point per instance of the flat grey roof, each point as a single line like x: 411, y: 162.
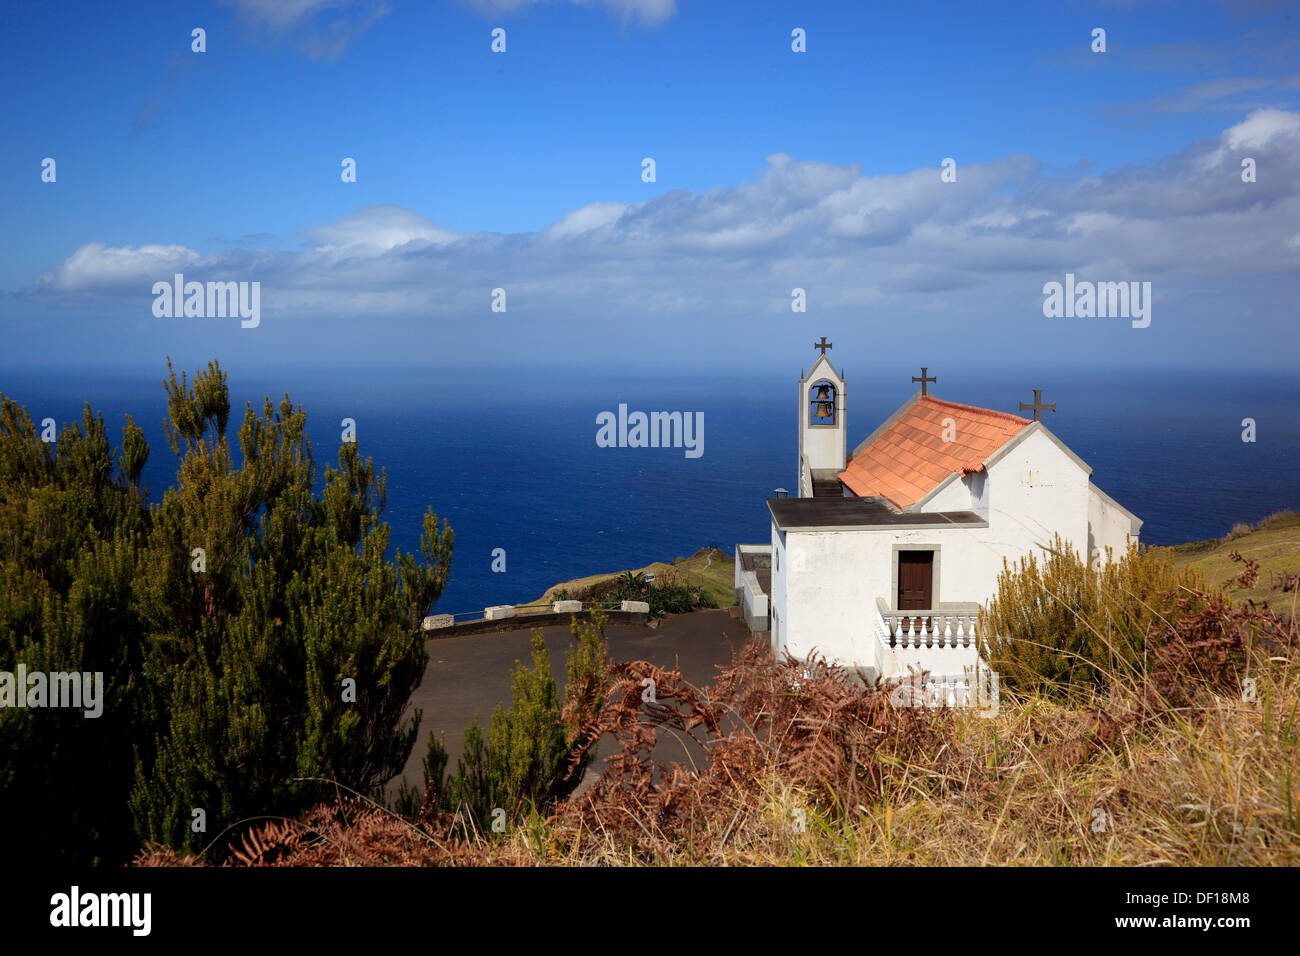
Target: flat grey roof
x: 859, y: 513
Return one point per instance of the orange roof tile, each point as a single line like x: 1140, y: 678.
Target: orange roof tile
x: 909, y: 459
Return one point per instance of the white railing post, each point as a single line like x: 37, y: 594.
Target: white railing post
x: 882, y: 629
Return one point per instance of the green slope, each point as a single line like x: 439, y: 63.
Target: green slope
x: 709, y: 568
x: 1274, y: 543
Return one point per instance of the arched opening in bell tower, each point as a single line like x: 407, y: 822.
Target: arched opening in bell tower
x: 821, y: 404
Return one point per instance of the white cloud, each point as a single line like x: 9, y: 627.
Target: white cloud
x: 378, y: 229
x: 1260, y: 127
x: 859, y: 243
x: 650, y: 13
x: 1258, y: 130
x: 281, y: 14
x: 96, y: 268
x: 589, y: 218
x: 323, y: 28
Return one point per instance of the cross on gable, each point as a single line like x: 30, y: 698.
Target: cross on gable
x: 1037, y: 405
x: 923, y: 379
x: 823, y: 345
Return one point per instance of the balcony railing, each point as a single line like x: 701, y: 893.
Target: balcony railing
x: 927, y: 629
x: 942, y: 647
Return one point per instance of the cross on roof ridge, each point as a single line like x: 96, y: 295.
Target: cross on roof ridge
x: 925, y: 378
x: 1037, y: 405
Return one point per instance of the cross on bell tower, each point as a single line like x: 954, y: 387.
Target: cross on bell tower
x: 823, y: 345
x: 1037, y: 405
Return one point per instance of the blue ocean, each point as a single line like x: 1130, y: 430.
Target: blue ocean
x: 509, y: 456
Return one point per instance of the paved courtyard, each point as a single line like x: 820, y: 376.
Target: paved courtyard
x: 467, y: 676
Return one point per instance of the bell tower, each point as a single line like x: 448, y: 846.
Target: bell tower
x: 823, y: 438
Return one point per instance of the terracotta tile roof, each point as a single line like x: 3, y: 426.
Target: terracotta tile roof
x: 909, y: 459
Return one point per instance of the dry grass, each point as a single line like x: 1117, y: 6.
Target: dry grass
x: 1039, y: 784
x: 1242, y: 528
x: 1175, y: 765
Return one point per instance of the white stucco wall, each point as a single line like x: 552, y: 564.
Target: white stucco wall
x: 956, y: 496
x: 777, y: 599
x: 1032, y: 492
x: 937, y: 660
x: 831, y: 605
x: 1109, y: 526
x: 824, y: 445
x: 979, y: 493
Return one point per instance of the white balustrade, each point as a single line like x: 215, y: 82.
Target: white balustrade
x: 943, y: 647
x: 922, y: 629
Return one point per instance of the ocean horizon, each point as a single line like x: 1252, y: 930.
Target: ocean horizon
x: 510, y: 457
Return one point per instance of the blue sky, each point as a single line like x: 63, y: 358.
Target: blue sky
x: 775, y: 169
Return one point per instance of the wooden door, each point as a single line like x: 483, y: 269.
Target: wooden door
x: 915, y: 580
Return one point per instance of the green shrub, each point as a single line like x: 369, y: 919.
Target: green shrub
x: 524, y: 761
x: 665, y: 595
x: 677, y: 599
x: 1063, y: 626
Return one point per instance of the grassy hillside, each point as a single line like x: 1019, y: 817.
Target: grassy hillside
x: 1273, y: 542
x: 708, y: 568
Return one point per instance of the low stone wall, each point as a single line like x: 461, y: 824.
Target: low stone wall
x: 525, y: 621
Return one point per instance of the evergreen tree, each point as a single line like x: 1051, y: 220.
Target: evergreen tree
x: 250, y: 630
x: 69, y: 535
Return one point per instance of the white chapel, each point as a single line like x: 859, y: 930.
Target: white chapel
x: 884, y: 557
